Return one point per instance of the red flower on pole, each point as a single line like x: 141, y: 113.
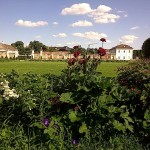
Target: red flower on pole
x: 76, y: 54
x: 101, y: 51
x: 103, y: 39
x: 71, y: 61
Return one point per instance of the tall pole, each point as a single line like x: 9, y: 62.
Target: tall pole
x: 90, y: 45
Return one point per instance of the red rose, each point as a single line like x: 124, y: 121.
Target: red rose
x: 101, y: 51
x: 76, y: 54
x: 103, y: 39
x: 71, y: 61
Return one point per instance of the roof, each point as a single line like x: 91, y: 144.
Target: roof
x: 6, y: 47
x: 123, y: 46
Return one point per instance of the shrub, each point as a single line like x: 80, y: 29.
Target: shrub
x: 146, y: 48
x: 136, y: 80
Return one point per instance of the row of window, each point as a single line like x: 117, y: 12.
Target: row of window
x: 123, y: 57
x: 123, y: 51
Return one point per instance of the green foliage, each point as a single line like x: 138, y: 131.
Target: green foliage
x: 77, y: 109
x: 146, y: 48
x: 27, y: 51
x: 136, y: 81
x: 36, y: 46
x: 137, y: 53
x: 20, y: 47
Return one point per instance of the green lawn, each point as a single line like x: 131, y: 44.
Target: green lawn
x: 107, y: 68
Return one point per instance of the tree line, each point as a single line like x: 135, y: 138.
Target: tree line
x: 33, y: 45
x: 37, y: 46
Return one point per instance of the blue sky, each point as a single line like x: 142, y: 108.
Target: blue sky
x: 75, y: 22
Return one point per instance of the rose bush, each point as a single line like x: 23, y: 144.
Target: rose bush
x: 77, y: 105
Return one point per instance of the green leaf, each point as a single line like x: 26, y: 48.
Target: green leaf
x: 119, y: 126
x: 124, y: 115
x: 66, y: 97
x: 83, y: 128
x: 72, y: 116
x: 1, y: 101
x: 130, y: 127
x: 129, y: 119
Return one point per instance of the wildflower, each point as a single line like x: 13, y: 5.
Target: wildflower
x: 8, y: 93
x: 71, y: 61
x: 101, y: 51
x: 74, y: 141
x: 76, y: 54
x: 46, y: 122
x: 103, y: 39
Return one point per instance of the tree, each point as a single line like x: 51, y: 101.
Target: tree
x: 36, y: 45
x: 45, y: 48
x: 146, y: 48
x: 137, y: 53
x: 20, y: 46
x: 27, y: 51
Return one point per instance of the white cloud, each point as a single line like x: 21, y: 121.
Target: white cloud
x: 30, y: 23
x: 55, y: 23
x: 58, y: 44
x: 61, y: 35
x: 129, y: 39
x: 37, y: 36
x: 77, y: 9
x: 73, y: 43
x: 90, y: 35
x: 78, y: 34
x: 108, y: 41
x: 102, y: 15
x: 103, y: 8
x: 135, y: 27
x: 82, y: 24
x: 124, y: 13
x: 105, y: 18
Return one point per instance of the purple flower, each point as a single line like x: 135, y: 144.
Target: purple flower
x: 74, y: 141
x: 46, y: 122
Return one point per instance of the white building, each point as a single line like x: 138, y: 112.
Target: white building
x: 121, y: 52
x: 8, y: 51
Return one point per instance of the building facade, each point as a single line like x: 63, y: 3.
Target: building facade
x: 8, y: 51
x: 121, y: 52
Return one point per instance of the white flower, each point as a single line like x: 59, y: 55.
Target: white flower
x: 8, y: 92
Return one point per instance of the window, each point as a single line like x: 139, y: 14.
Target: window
x: 123, y: 57
x: 118, y: 51
x: 118, y: 57
x: 124, y: 51
x: 129, y: 51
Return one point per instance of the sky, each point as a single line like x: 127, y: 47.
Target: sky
x: 75, y: 22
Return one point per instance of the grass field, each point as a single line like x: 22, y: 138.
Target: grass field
x: 107, y: 68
